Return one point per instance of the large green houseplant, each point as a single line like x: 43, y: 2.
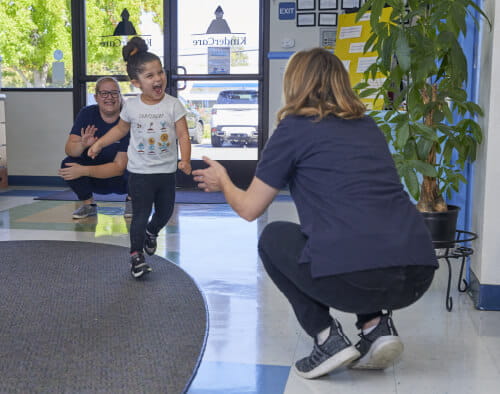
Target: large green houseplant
x: 428, y: 120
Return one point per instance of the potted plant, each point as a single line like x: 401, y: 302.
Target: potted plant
x: 428, y: 120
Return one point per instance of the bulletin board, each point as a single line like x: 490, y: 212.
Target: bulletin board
x: 350, y: 41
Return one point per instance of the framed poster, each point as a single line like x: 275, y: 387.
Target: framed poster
x: 328, y: 4
x: 306, y: 5
x: 306, y: 19
x: 346, y: 4
x: 327, y: 19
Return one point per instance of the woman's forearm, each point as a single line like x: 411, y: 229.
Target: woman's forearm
x: 74, y: 148
x: 104, y: 171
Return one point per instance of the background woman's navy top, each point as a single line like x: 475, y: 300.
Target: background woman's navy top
x: 350, y: 201
x: 91, y: 116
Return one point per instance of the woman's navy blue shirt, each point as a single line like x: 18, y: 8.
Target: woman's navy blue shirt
x: 351, y: 203
x: 91, y: 116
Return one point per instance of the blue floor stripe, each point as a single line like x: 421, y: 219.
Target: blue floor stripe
x: 25, y: 193
x: 224, y: 378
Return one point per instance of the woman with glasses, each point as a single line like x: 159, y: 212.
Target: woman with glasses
x: 106, y: 174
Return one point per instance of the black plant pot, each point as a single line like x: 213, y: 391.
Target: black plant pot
x: 442, y: 226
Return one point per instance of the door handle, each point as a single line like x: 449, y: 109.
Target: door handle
x: 181, y: 87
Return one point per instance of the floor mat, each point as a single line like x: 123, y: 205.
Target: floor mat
x: 75, y: 321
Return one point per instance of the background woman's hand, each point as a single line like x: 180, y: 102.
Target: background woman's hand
x: 72, y: 171
x: 210, y: 179
x: 88, y: 135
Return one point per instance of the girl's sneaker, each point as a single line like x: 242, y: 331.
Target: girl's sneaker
x: 138, y: 265
x: 150, y: 243
x: 380, y: 347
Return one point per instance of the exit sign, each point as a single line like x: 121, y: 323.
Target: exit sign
x: 286, y: 11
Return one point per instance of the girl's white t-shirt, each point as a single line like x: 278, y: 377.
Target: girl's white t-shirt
x: 153, y: 140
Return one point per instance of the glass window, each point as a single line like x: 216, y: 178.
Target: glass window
x: 35, y: 44
x: 221, y: 37
x: 109, y: 25
x: 223, y: 118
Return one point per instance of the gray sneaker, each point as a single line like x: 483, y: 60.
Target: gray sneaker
x: 379, y: 348
x: 85, y: 211
x: 128, y: 209
x: 334, y: 353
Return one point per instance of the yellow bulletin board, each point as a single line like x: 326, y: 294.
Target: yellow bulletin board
x: 351, y: 39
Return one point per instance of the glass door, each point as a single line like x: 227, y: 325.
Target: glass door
x: 216, y: 68
x: 100, y: 30
x: 212, y: 53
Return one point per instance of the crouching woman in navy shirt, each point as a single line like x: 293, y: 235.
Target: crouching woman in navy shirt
x: 107, y: 173
x: 361, y: 246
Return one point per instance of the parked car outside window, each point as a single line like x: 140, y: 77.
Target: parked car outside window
x: 235, y: 118
x: 194, y: 121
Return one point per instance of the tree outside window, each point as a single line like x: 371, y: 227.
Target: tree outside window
x: 32, y: 32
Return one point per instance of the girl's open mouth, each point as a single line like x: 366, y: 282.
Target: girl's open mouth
x: 158, y: 89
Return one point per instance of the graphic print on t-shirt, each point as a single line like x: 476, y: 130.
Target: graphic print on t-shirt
x: 164, y: 144
x: 151, y: 146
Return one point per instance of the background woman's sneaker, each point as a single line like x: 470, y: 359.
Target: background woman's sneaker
x: 85, y: 210
x: 380, y: 347
x: 334, y: 353
x: 138, y: 265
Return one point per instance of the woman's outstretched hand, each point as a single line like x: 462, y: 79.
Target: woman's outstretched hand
x: 210, y: 179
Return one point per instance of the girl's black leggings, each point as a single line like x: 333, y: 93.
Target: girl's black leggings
x: 150, y: 191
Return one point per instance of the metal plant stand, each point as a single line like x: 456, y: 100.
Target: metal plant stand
x: 455, y: 250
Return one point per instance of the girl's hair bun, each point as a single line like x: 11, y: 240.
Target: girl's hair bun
x: 134, y: 46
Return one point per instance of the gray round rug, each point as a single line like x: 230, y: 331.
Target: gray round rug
x: 73, y: 320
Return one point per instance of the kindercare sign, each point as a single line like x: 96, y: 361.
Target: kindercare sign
x: 219, y: 40
x: 219, y: 34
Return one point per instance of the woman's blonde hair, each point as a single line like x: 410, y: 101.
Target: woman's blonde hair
x: 317, y: 84
x: 101, y: 80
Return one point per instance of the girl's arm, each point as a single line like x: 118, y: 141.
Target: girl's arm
x: 115, y: 134
x: 182, y: 132
x: 248, y: 204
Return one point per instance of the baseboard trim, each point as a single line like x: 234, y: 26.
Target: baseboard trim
x: 29, y: 180
x: 485, y: 297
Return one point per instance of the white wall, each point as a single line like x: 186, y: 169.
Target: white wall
x: 304, y: 37
x: 38, y: 124
x: 486, y: 188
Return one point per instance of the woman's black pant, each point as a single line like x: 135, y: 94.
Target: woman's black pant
x: 148, y: 191
x: 85, y: 186
x: 365, y: 293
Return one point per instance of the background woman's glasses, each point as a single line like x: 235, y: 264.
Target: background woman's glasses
x: 106, y: 93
